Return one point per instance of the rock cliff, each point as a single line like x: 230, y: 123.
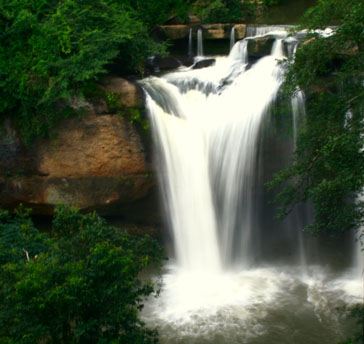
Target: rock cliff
x: 97, y: 162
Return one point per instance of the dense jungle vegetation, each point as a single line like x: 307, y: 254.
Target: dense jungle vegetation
x: 67, y: 287
x: 81, y: 284
x: 49, y: 50
x: 328, y: 166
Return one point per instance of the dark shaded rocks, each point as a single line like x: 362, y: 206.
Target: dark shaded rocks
x: 96, y: 162
x: 204, y: 63
x: 260, y: 46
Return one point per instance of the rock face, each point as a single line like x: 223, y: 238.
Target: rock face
x: 222, y: 31
x: 129, y: 94
x: 158, y: 63
x: 261, y: 46
x: 96, y: 162
x: 175, y: 31
x: 210, y: 31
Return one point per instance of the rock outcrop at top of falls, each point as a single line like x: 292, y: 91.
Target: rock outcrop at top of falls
x: 98, y: 161
x: 260, y: 46
x: 210, y: 31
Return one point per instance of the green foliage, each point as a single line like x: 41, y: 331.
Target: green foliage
x: 18, y: 236
x: 225, y: 11
x: 270, y: 2
x: 48, y: 49
x: 82, y: 286
x: 357, y: 313
x: 157, y: 12
x: 328, y: 167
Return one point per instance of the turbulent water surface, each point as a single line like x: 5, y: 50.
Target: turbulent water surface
x: 237, y: 275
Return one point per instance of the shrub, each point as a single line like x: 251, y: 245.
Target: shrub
x: 81, y: 286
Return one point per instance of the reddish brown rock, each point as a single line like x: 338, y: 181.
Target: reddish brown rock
x: 128, y: 93
x: 97, y: 162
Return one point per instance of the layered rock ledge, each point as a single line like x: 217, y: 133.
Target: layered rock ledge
x: 210, y: 31
x: 96, y: 162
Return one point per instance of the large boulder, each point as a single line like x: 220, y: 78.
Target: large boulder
x: 260, y: 46
x: 158, y: 63
x: 96, y: 162
x: 204, y: 63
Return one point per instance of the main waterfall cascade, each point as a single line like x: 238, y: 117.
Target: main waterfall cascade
x: 237, y: 275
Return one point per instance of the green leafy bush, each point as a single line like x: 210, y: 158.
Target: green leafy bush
x: 328, y: 167
x: 49, y: 49
x: 225, y: 11
x: 81, y: 286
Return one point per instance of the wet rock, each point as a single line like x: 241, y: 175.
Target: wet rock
x: 222, y: 31
x: 164, y: 63
x: 240, y: 31
x: 261, y: 46
x: 204, y: 63
x: 215, y: 31
x: 98, y: 162
x: 210, y: 31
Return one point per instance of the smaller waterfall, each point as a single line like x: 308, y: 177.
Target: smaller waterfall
x: 232, y: 38
x: 239, y: 52
x: 190, y: 43
x: 199, y: 43
x: 266, y: 29
x: 291, y: 45
x: 359, y: 254
x: 298, y: 113
x: 277, y: 49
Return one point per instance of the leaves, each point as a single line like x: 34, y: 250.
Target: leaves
x: 49, y: 49
x: 83, y: 287
x: 328, y: 166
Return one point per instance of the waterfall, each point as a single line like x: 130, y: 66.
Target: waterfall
x: 232, y: 38
x: 228, y: 273
x: 252, y: 31
x: 359, y: 254
x: 298, y: 114
x: 190, y: 53
x: 199, y: 42
x: 209, y: 158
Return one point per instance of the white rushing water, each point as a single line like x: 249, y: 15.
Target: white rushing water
x: 217, y: 289
x: 199, y: 43
x: 190, y: 52
x: 232, y: 37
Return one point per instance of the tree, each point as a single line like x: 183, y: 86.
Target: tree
x: 328, y: 165
x: 225, y: 11
x: 81, y: 286
x: 50, y: 49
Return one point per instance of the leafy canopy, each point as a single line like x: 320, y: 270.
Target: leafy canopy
x: 81, y: 286
x: 328, y: 167
x: 49, y: 49
x: 225, y: 11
